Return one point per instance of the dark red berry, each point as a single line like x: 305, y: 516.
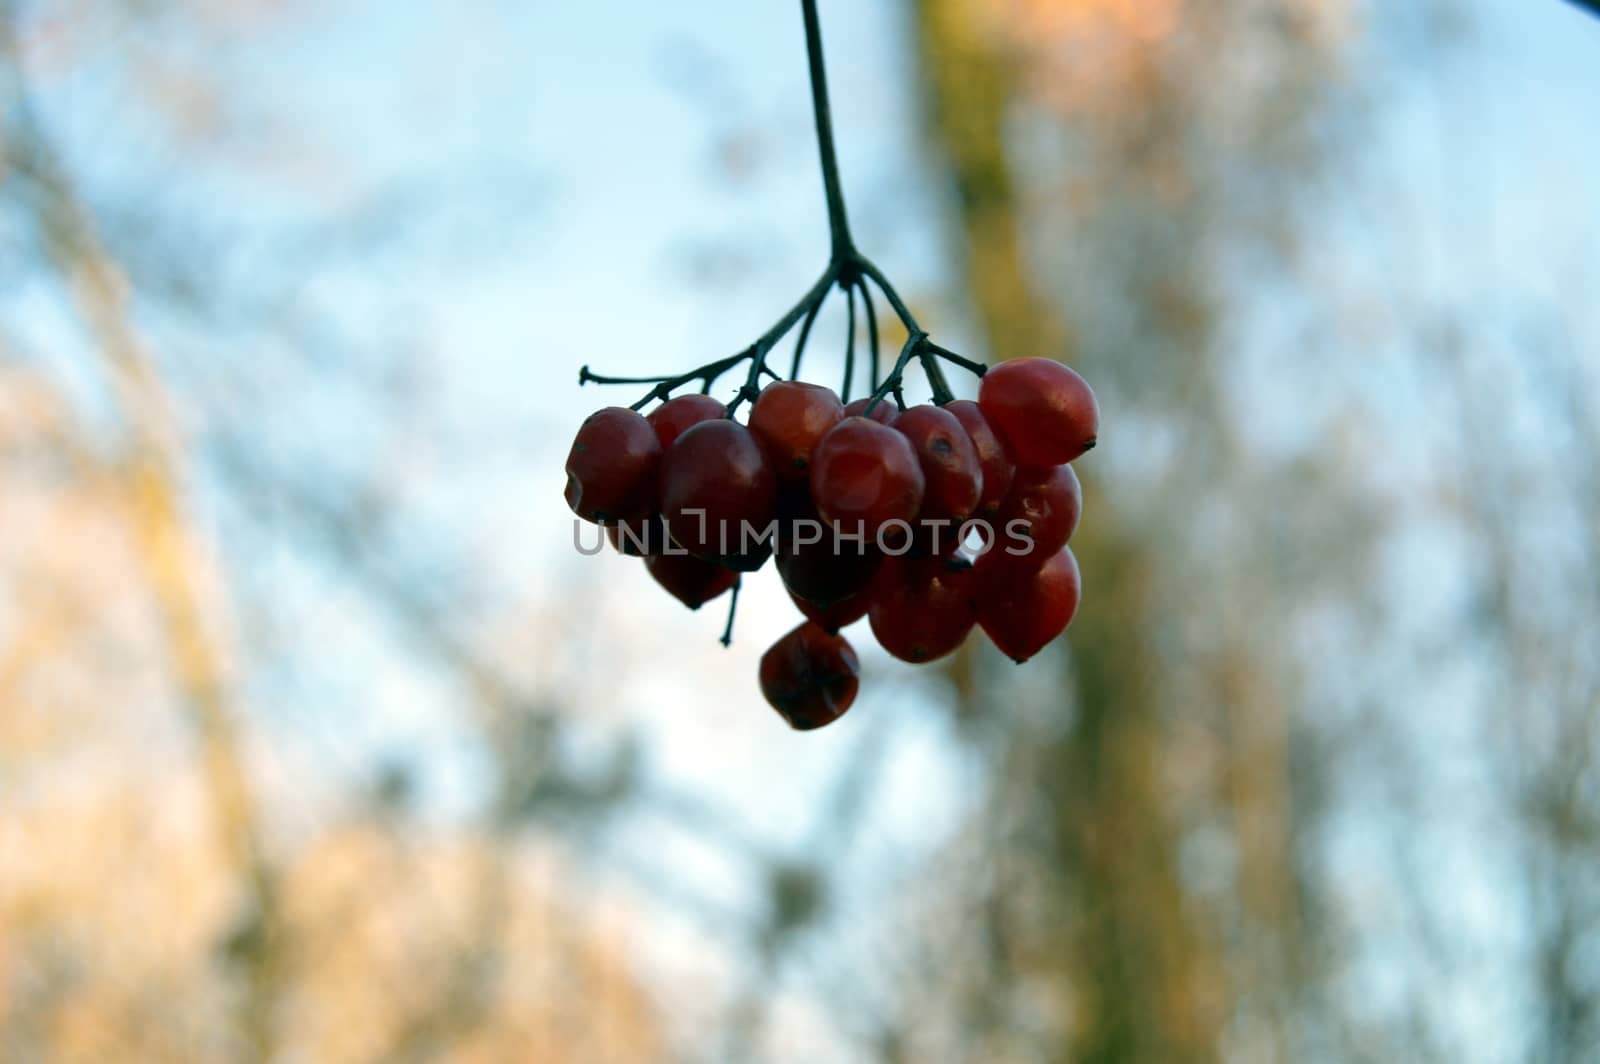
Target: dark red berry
x: 992, y: 458
x: 817, y: 564
x: 810, y: 677
x: 841, y: 614
x: 829, y: 570
x: 1023, y: 618
x: 719, y: 494
x: 863, y: 475
x: 673, y: 417
x: 950, y: 467
x: 883, y: 413
x: 1043, y: 411
x: 1035, y: 521
x: 692, y: 581
x: 790, y: 417
x: 613, y: 466
x: 921, y: 608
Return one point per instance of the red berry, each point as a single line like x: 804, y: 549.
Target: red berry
x: 692, y: 581
x: 863, y: 475
x: 810, y: 677
x: 716, y: 484
x: 817, y: 564
x: 613, y: 466
x: 790, y: 417
x: 677, y: 414
x: 640, y: 537
x: 1043, y: 411
x: 841, y: 614
x: 1023, y: 618
x: 883, y: 413
x: 921, y: 608
x: 829, y: 570
x: 1036, y: 519
x: 949, y: 462
x: 992, y: 458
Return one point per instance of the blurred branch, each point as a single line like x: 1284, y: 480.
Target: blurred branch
x: 474, y: 968
x: 168, y: 548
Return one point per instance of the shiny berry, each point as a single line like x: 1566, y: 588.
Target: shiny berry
x: 1022, y: 619
x: 921, y: 608
x: 1035, y: 521
x: 718, y: 493
x: 673, y: 417
x: 1044, y: 413
x: 950, y: 466
x: 692, y: 581
x: 790, y: 417
x: 883, y: 413
x: 863, y: 475
x: 810, y: 677
x: 613, y: 466
x: 992, y: 458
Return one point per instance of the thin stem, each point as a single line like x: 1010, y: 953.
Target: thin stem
x: 872, y: 332
x: 849, y: 344
x: 935, y: 372
x: 800, y: 342
x: 838, y: 224
x: 892, y: 383
x: 870, y: 269
x: 977, y: 369
x: 586, y: 377
x: 756, y: 353
x: 664, y: 386
x: 813, y: 297
x: 758, y: 350
x: 733, y: 607
x: 846, y: 267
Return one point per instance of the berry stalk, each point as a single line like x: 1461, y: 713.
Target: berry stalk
x: 847, y: 269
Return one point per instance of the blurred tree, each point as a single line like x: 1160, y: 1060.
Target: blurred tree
x: 1255, y: 680
x: 1147, y: 901
x: 162, y: 897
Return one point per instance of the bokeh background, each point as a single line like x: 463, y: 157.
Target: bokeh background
x: 320, y: 742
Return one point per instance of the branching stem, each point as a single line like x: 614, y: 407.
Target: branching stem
x: 849, y: 271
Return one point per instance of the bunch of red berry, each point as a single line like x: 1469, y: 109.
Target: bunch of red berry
x: 926, y: 520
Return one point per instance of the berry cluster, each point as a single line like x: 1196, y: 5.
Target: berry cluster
x: 926, y: 520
